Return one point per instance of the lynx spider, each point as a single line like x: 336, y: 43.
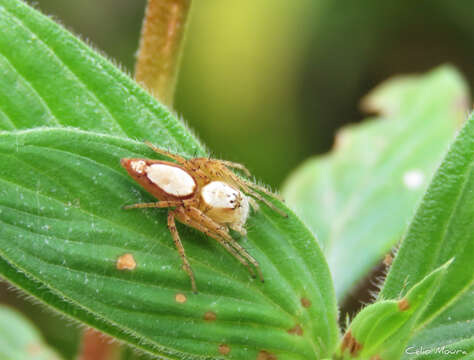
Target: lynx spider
x: 202, y: 193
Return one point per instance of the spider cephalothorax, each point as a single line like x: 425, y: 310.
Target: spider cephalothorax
x: 202, y: 193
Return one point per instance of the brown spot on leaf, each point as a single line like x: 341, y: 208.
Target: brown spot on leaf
x: 296, y: 330
x: 265, y: 355
x: 350, y: 343
x: 210, y: 316
x: 224, y: 349
x: 376, y: 357
x: 346, y: 340
x: 305, y: 302
x: 403, y: 305
x: 180, y: 298
x: 126, y: 262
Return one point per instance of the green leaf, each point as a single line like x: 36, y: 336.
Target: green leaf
x: 359, y: 198
x: 443, y: 228
x: 20, y: 340
x: 448, y: 334
x: 381, y: 330
x: 50, y: 78
x: 63, y: 230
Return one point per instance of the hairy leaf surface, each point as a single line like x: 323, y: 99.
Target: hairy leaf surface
x: 51, y: 78
x: 63, y: 228
x: 443, y: 228
x: 381, y: 330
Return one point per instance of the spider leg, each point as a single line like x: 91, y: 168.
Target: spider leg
x: 268, y: 203
x: 254, y: 204
x: 158, y: 204
x: 247, y: 187
x: 241, y: 230
x: 261, y: 188
x: 186, y: 219
x: 175, y: 157
x: 235, y: 165
x: 179, y: 246
x: 222, y: 232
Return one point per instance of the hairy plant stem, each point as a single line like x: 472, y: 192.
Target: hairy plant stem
x: 160, y: 44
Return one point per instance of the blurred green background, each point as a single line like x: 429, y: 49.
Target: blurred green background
x: 267, y: 83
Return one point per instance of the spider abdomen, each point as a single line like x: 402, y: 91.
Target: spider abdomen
x: 164, y: 180
x: 172, y: 179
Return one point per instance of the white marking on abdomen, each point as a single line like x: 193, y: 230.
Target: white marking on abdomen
x: 171, y: 179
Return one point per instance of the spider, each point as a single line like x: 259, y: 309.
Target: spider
x: 202, y: 193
